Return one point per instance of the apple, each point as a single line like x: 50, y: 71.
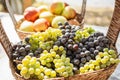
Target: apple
x: 42, y: 8
x: 47, y: 15
x: 31, y: 14
x: 40, y: 25
x: 26, y: 26
x: 69, y: 12
x: 58, y: 19
x: 57, y: 7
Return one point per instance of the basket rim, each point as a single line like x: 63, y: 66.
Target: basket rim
x: 96, y: 71
x: 22, y: 19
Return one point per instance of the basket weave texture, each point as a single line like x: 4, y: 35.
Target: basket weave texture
x: 102, y: 74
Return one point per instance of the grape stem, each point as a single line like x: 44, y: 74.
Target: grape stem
x: 17, y: 61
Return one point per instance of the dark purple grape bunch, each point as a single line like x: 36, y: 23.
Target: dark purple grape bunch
x: 20, y: 50
x: 67, y: 28
x: 95, y: 42
x: 68, y: 31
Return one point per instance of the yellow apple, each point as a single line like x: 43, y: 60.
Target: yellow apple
x: 57, y: 7
x: 58, y: 19
x: 42, y: 8
x: 26, y: 26
x: 47, y: 15
x: 69, y: 12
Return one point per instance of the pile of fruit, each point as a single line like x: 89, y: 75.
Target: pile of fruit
x: 63, y: 52
x: 40, y: 18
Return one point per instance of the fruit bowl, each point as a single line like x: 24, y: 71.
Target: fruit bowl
x: 40, y: 18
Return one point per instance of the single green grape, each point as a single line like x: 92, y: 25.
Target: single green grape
x: 53, y: 54
x: 62, y: 68
x: 47, y: 72
x: 58, y: 70
x: 31, y: 70
x: 37, y: 71
x: 98, y: 59
x: 48, y: 65
x: 103, y: 65
x: 33, y: 61
x: 105, y: 49
x: 41, y: 76
x: 61, y: 48
x: 68, y: 68
x: 28, y: 57
x: 86, y: 66
x: 91, y: 66
x: 48, y: 60
x: 103, y: 61
x: 41, y: 68
x: 108, y: 63
x: 57, y: 56
x: 117, y: 61
x: 57, y: 65
x: 19, y: 66
x: 65, y: 74
x: 82, y: 70
x: 24, y: 70
x: 37, y: 65
x: 91, y: 70
x: 97, y: 67
x: 27, y: 76
x: 95, y: 62
x: 105, y: 54
x: 43, y: 62
x: 45, y: 52
x: 111, y: 51
x: 25, y: 61
x: 53, y: 74
x: 52, y: 50
x: 86, y: 70
x: 55, y: 47
x: 106, y: 57
x: 101, y: 54
x: 112, y: 60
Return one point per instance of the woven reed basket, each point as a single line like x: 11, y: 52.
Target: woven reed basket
x: 102, y: 74
x: 78, y: 20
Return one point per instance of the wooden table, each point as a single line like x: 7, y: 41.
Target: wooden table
x: 5, y: 73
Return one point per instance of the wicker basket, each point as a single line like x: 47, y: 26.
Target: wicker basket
x: 102, y: 74
x: 77, y: 21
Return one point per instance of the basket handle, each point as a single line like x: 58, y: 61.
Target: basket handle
x: 5, y: 41
x: 11, y: 12
x: 114, y: 27
x: 80, y: 16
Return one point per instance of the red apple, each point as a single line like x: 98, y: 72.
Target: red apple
x: 40, y: 25
x: 31, y: 14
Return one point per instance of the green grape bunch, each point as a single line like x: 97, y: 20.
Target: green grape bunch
x: 102, y: 60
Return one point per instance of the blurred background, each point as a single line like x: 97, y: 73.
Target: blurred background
x: 98, y: 12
